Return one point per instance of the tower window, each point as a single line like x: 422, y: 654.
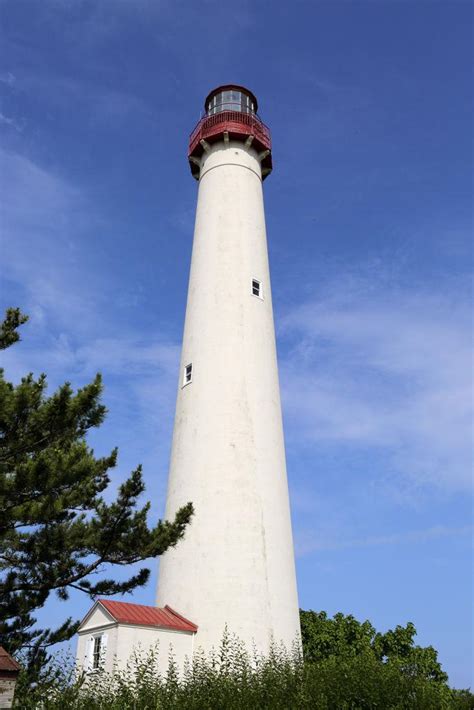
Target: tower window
x: 187, y: 374
x: 257, y: 289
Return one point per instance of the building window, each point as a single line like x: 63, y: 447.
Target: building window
x: 187, y: 374
x: 97, y: 653
x: 257, y: 288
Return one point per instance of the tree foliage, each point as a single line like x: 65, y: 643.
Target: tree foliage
x: 57, y: 532
x: 344, y: 637
x: 9, y: 328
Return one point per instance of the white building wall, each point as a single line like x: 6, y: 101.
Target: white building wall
x: 123, y: 640
x: 140, y: 638
x: 235, y: 566
x: 7, y: 692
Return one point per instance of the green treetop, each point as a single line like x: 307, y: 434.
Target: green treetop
x: 345, y: 637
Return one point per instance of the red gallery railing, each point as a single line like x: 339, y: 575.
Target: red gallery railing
x: 238, y: 126
x: 246, y: 123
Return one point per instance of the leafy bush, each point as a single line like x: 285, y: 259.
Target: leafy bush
x: 231, y: 679
x: 345, y: 637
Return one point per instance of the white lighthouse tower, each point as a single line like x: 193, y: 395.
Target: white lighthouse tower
x: 235, y: 566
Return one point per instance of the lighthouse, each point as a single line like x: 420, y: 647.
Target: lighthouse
x: 235, y: 566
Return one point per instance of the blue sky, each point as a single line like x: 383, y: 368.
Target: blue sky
x: 369, y: 226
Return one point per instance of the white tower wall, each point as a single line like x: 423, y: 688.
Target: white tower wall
x: 235, y: 566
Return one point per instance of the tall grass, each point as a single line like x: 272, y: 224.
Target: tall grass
x: 231, y: 679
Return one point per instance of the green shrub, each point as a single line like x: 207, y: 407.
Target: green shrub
x: 231, y: 679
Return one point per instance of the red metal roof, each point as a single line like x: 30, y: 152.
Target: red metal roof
x: 142, y: 615
x: 7, y: 663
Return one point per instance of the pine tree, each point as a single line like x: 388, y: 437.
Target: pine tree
x: 56, y: 531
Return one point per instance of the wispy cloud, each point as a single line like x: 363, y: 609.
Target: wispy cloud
x: 50, y: 229
x: 99, y: 104
x: 47, y: 225
x: 385, y: 370
x: 309, y: 542
x: 7, y: 78
x: 12, y: 122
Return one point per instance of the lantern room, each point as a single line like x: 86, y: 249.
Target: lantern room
x: 230, y: 98
x: 230, y: 114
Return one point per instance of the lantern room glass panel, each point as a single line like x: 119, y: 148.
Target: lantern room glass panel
x: 230, y: 100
